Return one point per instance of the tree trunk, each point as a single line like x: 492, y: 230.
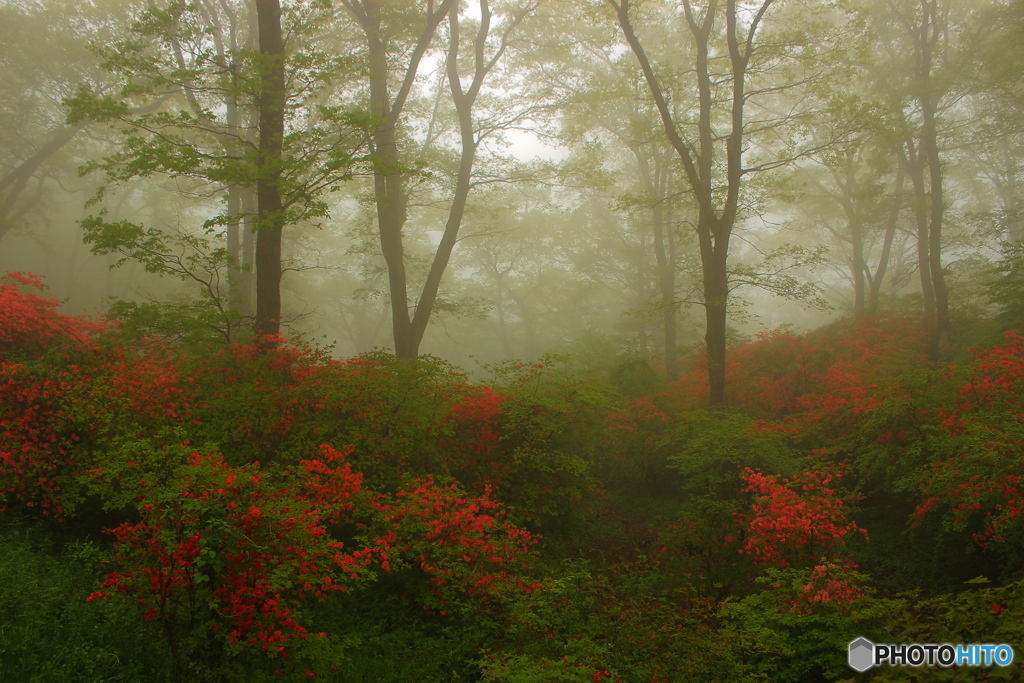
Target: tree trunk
x: 915, y: 169
x: 890, y: 234
x: 270, y: 208
x: 859, y: 266
x: 389, y: 176
x: 234, y: 245
x: 15, y: 182
x: 664, y: 253
x: 930, y: 149
x: 247, y: 287
x: 716, y: 293
x: 657, y: 184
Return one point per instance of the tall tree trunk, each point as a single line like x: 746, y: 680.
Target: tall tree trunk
x: 930, y: 149
x: 927, y: 32
x: 890, y: 234
x: 234, y: 245
x: 664, y: 254
x: 848, y: 200
x: 657, y: 183
x: 247, y: 286
x: 270, y: 207
x: 714, y: 227
x: 911, y: 158
x: 859, y: 267
x: 716, y: 294
x: 389, y: 176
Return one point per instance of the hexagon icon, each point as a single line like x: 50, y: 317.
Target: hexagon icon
x: 862, y: 654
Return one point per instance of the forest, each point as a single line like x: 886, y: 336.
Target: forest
x: 510, y: 341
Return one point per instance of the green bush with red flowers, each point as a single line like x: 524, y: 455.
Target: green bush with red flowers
x: 253, y: 511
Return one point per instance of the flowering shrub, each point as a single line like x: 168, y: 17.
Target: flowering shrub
x: 40, y: 438
x: 62, y: 415
x: 262, y: 551
x: 978, y: 480
x: 825, y: 376
x: 795, y: 520
x: 44, y: 374
x: 518, y: 448
x: 639, y: 438
x: 229, y: 551
x: 796, y: 627
x: 238, y: 553
x: 828, y: 583
x: 30, y: 324
x: 456, y: 542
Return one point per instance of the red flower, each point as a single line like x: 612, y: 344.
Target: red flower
x: 997, y: 608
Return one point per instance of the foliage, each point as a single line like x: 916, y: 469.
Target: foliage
x: 711, y: 451
x: 221, y: 554
x: 30, y: 324
x: 979, y: 612
x: 823, y: 379
x: 271, y: 509
x: 797, y: 626
x: 49, y: 631
x: 797, y: 519
x: 190, y: 258
x: 1006, y: 281
x: 624, y: 625
x: 975, y: 481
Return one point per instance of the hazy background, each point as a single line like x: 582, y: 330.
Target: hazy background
x: 574, y: 178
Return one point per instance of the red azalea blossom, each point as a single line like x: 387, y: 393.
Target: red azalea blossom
x: 800, y: 517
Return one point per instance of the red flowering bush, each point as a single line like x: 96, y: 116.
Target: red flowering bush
x: 457, y: 543
x: 62, y: 417
x: 639, y: 438
x: 977, y: 482
x: 796, y: 520
x: 30, y: 324
x: 40, y: 437
x: 828, y: 375
x: 519, y: 447
x: 277, y: 405
x: 235, y: 555
x: 45, y: 374
x: 230, y: 551
x: 828, y: 582
x: 471, y: 437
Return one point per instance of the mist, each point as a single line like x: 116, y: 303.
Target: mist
x: 868, y: 178
x: 499, y: 341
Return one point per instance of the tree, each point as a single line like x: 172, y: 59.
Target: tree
x: 724, y: 75
x: 45, y: 58
x: 922, y: 44
x: 393, y: 169
x: 997, y: 97
x: 207, y: 89
x: 648, y: 188
x: 852, y: 204
x: 269, y: 200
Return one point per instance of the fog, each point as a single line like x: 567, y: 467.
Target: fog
x: 485, y: 182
